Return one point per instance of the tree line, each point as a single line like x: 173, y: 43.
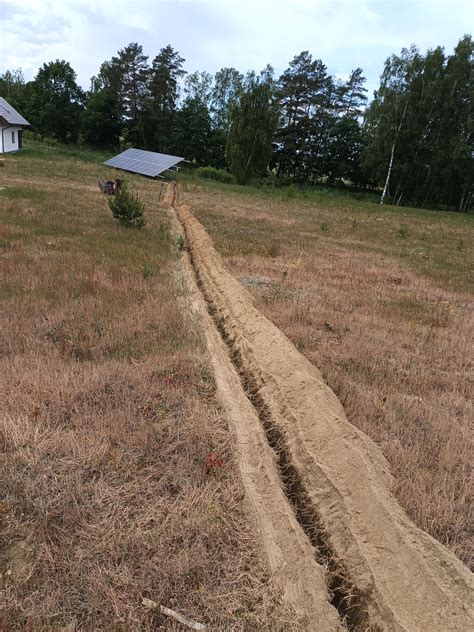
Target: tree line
x: 413, y: 142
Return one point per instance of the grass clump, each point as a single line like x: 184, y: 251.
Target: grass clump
x: 181, y: 243
x: 127, y: 208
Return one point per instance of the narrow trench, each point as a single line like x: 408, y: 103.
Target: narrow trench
x: 345, y: 597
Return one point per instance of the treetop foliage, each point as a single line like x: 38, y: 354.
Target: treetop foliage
x: 414, y: 140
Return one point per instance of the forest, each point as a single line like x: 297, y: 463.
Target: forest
x: 412, y: 143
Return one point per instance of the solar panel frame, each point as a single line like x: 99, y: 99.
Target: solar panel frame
x: 148, y: 163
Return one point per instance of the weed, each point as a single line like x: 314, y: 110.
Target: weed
x: 147, y: 270
x: 403, y: 232
x: 181, y: 243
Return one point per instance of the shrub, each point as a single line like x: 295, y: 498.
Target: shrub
x: 211, y: 173
x: 289, y: 192
x: 127, y: 208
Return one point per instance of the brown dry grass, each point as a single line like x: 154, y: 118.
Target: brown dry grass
x: 380, y: 301
x: 108, y: 415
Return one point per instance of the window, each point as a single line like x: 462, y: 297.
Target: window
x: 13, y: 138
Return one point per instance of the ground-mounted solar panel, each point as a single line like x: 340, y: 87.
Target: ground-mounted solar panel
x: 147, y: 163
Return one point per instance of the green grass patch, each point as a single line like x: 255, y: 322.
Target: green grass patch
x: 23, y: 193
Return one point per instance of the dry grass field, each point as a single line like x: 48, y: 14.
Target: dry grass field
x: 381, y: 301
x: 108, y: 418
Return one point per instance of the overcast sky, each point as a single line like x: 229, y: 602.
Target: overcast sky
x: 246, y: 34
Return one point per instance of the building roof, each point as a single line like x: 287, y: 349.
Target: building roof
x: 10, y: 115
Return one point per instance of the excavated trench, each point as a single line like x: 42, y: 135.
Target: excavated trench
x: 371, y: 567
x: 344, y: 597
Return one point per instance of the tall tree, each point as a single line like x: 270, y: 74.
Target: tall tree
x: 57, y: 102
x: 420, y: 128
x: 227, y: 85
x: 253, y: 123
x: 101, y: 125
x: 166, y: 71
x: 347, y: 141
x: 353, y: 97
x: 455, y: 155
x: 388, y: 113
x: 192, y: 134
x: 12, y: 83
x: 199, y: 84
x: 126, y: 78
x: 305, y: 92
x: 17, y: 91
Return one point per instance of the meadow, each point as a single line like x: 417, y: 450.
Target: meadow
x: 109, y: 418
x: 380, y: 300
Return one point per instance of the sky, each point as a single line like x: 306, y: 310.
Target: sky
x: 211, y: 34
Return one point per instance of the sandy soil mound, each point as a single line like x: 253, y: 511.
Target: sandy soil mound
x: 381, y: 571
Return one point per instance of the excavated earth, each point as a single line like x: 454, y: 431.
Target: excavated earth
x: 341, y: 549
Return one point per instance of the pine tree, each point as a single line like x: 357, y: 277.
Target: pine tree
x: 166, y: 71
x: 126, y: 77
x: 353, y: 98
x: 305, y: 93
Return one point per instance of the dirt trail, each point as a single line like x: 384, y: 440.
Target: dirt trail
x: 320, y: 487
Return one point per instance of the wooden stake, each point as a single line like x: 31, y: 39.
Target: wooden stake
x: 194, y: 625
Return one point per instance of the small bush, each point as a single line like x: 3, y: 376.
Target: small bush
x: 211, y: 173
x: 290, y: 192
x: 127, y: 208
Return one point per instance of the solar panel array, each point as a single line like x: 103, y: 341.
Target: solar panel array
x: 148, y: 163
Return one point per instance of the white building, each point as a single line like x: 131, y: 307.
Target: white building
x: 11, y: 127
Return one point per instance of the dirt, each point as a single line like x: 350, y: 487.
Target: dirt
x: 340, y: 547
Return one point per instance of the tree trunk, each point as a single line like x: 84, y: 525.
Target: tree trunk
x: 392, y: 153
x: 387, y: 179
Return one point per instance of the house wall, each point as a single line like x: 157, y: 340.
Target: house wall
x: 6, y: 143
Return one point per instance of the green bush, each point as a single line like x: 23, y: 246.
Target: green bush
x: 127, y: 208
x: 211, y: 173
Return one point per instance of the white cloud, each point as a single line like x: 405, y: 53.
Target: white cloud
x: 215, y: 33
